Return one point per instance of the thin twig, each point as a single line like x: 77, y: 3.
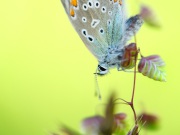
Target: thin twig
x: 121, y: 99
x: 134, y: 86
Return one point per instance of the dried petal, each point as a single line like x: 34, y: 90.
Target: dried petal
x: 91, y: 125
x: 108, y: 122
x: 149, y: 16
x: 152, y: 67
x: 120, y: 123
x: 129, y: 56
x: 120, y: 116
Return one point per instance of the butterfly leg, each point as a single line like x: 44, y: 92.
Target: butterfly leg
x: 119, y: 67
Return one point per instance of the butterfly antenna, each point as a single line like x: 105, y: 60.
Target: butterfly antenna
x: 97, y: 92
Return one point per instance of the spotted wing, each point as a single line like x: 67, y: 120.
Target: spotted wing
x: 99, y: 23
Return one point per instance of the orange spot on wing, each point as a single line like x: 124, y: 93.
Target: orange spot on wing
x: 115, y: 0
x: 74, y: 3
x: 120, y: 2
x: 72, y: 13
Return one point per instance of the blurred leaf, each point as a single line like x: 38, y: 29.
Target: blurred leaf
x: 152, y: 67
x: 150, y: 121
x: 91, y: 125
x: 69, y: 131
x: 120, y: 123
x: 106, y: 127
x: 120, y: 116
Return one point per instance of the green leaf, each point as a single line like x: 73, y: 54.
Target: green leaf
x: 152, y: 67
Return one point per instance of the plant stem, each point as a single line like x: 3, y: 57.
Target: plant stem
x: 134, y: 112
x: 131, y: 103
x: 133, y: 93
x: 134, y: 86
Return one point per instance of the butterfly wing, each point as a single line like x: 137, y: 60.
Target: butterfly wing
x: 99, y: 23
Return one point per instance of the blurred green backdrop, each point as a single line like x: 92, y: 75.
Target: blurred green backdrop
x: 46, y: 73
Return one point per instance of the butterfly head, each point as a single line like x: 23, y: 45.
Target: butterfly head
x: 102, y: 69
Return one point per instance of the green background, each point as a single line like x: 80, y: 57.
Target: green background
x: 46, y: 73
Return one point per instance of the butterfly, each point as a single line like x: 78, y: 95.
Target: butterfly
x: 105, y: 30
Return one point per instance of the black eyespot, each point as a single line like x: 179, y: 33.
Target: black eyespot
x: 103, y: 9
x: 101, y: 31
x: 85, y: 7
x: 101, y: 68
x: 109, y: 22
x: 84, y: 19
x: 90, y: 39
x: 90, y: 4
x: 84, y: 32
x: 97, y: 4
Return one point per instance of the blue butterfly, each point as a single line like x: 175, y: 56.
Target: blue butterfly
x: 104, y: 28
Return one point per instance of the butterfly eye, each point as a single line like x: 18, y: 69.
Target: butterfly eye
x: 85, y: 7
x: 101, y: 68
x: 103, y: 9
x: 97, y: 4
